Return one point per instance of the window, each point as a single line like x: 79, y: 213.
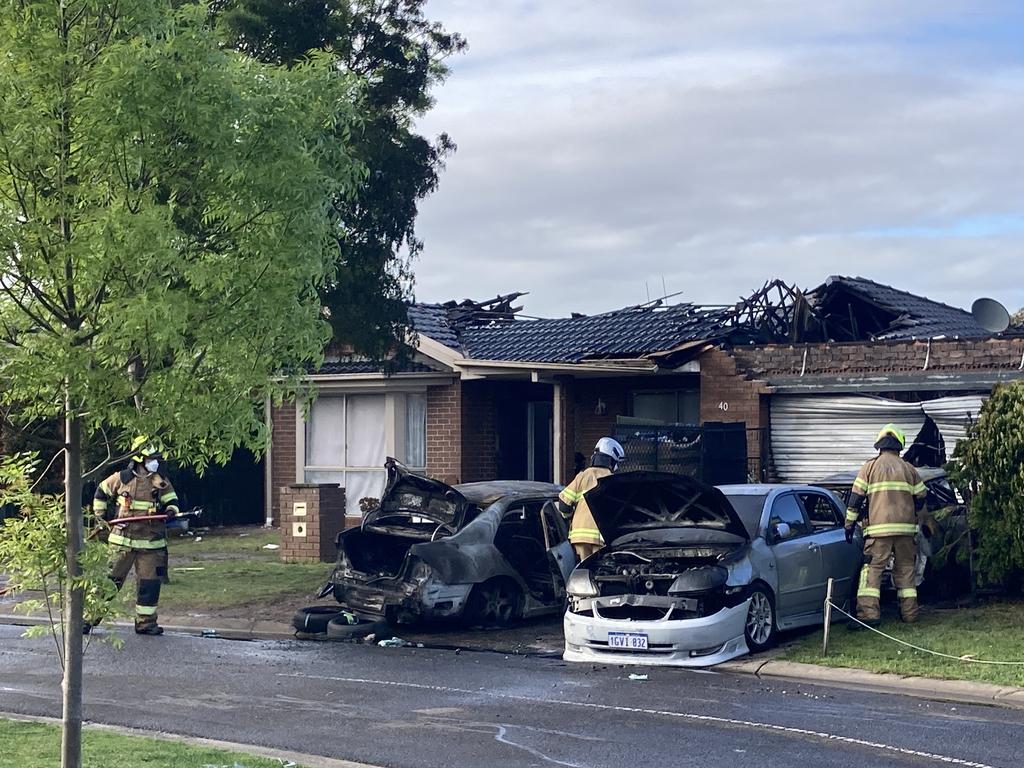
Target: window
x: 348, y: 438
x: 820, y: 511
x: 416, y: 431
x: 786, y: 509
x: 671, y: 406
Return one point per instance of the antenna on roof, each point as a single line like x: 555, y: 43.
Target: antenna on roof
x: 991, y: 315
x: 648, y: 289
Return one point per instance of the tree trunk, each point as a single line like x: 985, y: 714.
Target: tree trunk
x: 71, y: 736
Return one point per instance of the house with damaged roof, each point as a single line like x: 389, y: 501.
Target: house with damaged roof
x: 785, y: 385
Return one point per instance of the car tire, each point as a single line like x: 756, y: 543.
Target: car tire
x: 338, y: 628
x: 495, y: 603
x: 313, y: 619
x: 760, y: 626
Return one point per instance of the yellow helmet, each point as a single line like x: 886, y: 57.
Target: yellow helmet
x: 892, y: 429
x: 143, y: 448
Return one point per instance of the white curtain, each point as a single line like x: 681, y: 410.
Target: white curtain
x: 365, y: 431
x: 416, y: 431
x: 325, y: 434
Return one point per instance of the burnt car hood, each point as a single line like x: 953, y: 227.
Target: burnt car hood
x: 410, y: 494
x: 635, y: 502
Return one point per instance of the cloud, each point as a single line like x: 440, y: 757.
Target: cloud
x: 607, y: 149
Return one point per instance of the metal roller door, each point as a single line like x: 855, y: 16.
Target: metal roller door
x: 813, y: 436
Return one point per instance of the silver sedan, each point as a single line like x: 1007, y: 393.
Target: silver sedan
x: 694, y: 575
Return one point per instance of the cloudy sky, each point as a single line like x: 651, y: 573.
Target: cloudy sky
x: 606, y: 149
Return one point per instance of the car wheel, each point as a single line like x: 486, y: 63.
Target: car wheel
x: 339, y: 628
x: 313, y: 620
x: 759, y: 629
x: 494, y: 603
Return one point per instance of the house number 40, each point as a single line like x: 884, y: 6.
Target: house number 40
x: 723, y: 406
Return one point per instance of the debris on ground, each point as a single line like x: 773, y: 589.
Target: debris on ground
x: 394, y: 642
x: 271, y: 546
x: 638, y: 677
x: 370, y: 639
x: 209, y: 633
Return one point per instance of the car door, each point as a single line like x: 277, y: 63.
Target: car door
x: 839, y: 560
x: 559, y: 548
x: 797, y: 558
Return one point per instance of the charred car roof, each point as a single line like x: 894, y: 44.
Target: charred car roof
x: 486, y: 493
x: 636, y: 501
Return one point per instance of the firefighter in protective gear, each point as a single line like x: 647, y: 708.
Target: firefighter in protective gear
x: 894, y: 494
x: 583, y: 532
x: 139, y: 490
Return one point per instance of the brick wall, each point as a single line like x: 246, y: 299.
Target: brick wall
x: 889, y: 357
x: 282, y: 471
x: 444, y: 432
x: 310, y: 537
x: 479, y: 431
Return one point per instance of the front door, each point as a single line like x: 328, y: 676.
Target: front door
x: 540, y: 441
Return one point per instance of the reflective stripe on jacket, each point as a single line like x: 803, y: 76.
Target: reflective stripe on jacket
x: 125, y: 494
x: 583, y: 529
x: 889, y: 485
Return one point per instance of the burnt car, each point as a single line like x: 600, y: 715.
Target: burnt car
x: 694, y: 575
x: 488, y: 553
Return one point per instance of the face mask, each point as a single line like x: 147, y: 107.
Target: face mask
x: 152, y: 465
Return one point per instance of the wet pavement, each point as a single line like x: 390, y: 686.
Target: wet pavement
x: 433, y: 707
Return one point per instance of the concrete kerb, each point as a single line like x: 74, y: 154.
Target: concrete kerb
x: 954, y: 691
x: 306, y: 761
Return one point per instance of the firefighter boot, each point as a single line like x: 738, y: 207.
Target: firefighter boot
x: 149, y: 629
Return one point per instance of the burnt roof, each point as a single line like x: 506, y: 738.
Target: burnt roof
x: 486, y: 493
x: 889, y: 314
x: 626, y: 333
x: 841, y: 309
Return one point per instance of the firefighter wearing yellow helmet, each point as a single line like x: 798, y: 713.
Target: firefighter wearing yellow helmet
x: 891, y: 492
x: 141, y: 490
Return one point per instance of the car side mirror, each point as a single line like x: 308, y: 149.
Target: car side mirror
x: 781, y: 531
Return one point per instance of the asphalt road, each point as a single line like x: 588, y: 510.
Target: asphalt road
x: 438, y: 708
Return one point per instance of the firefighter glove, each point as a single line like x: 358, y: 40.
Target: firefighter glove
x: 849, y: 534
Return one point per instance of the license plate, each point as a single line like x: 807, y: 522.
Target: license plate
x: 636, y: 641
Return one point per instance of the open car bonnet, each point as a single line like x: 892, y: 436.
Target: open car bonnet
x: 637, y: 501
x: 409, y: 495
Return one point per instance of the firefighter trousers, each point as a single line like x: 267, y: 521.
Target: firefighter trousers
x: 877, y: 551
x: 150, y: 572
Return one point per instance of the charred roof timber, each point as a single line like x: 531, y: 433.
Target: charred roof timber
x: 842, y: 309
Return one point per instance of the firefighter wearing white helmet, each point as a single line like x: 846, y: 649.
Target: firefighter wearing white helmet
x: 894, y: 494
x: 583, y: 532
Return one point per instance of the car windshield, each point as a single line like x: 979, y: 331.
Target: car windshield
x: 749, y: 508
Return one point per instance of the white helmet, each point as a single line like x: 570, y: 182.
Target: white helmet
x: 610, y: 447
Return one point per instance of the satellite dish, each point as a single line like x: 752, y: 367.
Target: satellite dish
x: 991, y: 315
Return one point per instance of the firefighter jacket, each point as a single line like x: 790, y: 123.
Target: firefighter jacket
x: 583, y: 529
x: 125, y: 494
x: 893, y: 491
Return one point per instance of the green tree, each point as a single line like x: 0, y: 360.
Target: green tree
x: 1017, y: 318
x: 991, y: 463
x: 400, y: 54
x: 164, y: 234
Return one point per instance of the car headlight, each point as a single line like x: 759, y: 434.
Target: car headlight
x: 581, y: 584
x: 419, y: 571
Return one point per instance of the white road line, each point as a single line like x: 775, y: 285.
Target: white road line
x: 660, y: 713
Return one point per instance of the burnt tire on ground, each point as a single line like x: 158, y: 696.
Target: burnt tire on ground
x: 338, y: 628
x: 760, y: 628
x: 313, y: 619
x: 495, y: 603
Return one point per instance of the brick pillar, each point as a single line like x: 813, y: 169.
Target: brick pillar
x: 568, y: 411
x: 311, y: 517
x: 282, y: 455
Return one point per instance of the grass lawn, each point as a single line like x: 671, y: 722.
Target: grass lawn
x: 993, y: 632
x: 37, y: 745
x: 229, y: 572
